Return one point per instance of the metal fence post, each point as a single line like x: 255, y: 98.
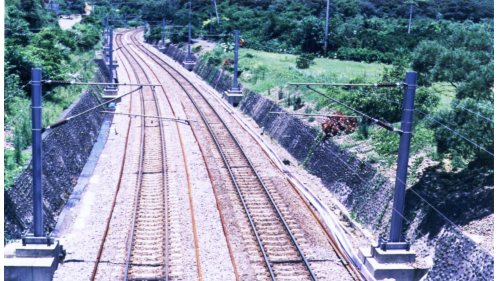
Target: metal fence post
x: 189, y: 44
x: 36, y: 131
x: 236, y: 44
x: 403, y: 155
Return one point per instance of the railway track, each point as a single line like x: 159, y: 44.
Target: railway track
x: 273, y: 238
x: 148, y: 245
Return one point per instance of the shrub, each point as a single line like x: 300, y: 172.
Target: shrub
x: 298, y: 104
x: 305, y: 60
x: 338, y: 125
x: 280, y: 94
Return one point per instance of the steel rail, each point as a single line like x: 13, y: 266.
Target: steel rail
x: 231, y: 173
x: 195, y: 234
x: 101, y: 247
x: 139, y: 183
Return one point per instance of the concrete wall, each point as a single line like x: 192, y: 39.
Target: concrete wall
x: 356, y: 184
x: 65, y: 151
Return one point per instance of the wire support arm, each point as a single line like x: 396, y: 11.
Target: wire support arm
x: 150, y: 116
x: 64, y: 121
x: 324, y: 115
x: 62, y: 82
x: 376, y: 85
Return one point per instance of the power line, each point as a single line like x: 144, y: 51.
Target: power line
x: 378, y: 122
x: 457, y: 133
x: 18, y: 90
x: 28, y: 105
x: 473, y: 112
x: 17, y: 116
x: 441, y: 214
x: 372, y: 94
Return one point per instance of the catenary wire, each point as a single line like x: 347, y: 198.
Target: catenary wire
x: 473, y: 112
x: 18, y: 90
x: 457, y: 133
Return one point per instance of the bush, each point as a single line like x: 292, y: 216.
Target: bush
x: 280, y: 94
x: 305, y: 60
x: 338, y: 125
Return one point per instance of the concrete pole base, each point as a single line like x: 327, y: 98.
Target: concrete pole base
x: 189, y: 65
x: 392, y: 263
x: 110, y: 93
x: 233, y: 97
x: 32, y: 262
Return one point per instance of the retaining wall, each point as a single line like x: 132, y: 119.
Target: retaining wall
x: 65, y: 152
x: 355, y: 183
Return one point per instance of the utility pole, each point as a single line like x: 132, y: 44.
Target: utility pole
x: 36, y: 133
x: 326, y: 26
x: 125, y: 21
x: 403, y: 156
x: 189, y: 44
x: 145, y: 23
x: 234, y: 95
x: 107, y: 30
x: 236, y: 44
x: 189, y: 63
x: 409, y: 24
x: 211, y: 10
x: 111, y: 56
x: 163, y: 33
x: 103, y: 28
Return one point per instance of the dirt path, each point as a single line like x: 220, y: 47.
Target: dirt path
x: 66, y: 24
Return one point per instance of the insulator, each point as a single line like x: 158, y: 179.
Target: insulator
x: 56, y: 124
x: 58, y: 82
x: 384, y: 125
x: 381, y: 85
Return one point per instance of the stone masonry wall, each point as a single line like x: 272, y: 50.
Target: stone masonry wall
x: 356, y: 184
x: 65, y: 152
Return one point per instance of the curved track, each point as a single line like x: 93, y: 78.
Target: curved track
x: 272, y: 239
x: 278, y: 248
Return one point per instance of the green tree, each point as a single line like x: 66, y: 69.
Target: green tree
x: 464, y: 58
